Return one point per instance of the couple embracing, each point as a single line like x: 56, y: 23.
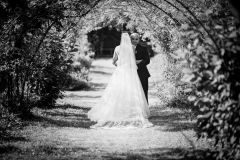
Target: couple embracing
x: 124, y: 102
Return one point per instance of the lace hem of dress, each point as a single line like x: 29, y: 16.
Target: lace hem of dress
x: 123, y: 124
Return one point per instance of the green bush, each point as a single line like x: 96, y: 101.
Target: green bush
x: 172, y: 91
x: 8, y: 121
x: 32, y: 59
x: 55, y: 68
x: 75, y: 84
x: 82, y: 67
x: 77, y: 44
x: 78, y: 76
x: 215, y: 72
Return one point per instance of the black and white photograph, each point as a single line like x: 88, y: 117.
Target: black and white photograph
x: 119, y: 80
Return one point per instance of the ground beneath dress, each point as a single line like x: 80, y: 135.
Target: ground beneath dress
x: 64, y: 132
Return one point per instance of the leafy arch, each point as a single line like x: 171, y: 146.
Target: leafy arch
x: 153, y: 13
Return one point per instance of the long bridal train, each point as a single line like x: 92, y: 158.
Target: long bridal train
x: 123, y: 103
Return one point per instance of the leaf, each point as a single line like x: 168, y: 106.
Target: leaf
x: 194, y: 78
x: 208, y: 41
x: 233, y: 139
x: 207, y: 115
x: 222, y: 51
x: 218, y: 27
x: 192, y: 98
x: 200, y: 49
x: 238, y: 48
x: 187, y: 70
x: 228, y: 44
x: 187, y: 90
x: 217, y: 115
x: 187, y: 78
x: 208, y: 74
x: 233, y: 34
x: 220, y: 87
x: 185, y: 26
x: 206, y: 99
x: 208, y: 12
x: 196, y: 41
x: 179, y: 53
x: 194, y: 35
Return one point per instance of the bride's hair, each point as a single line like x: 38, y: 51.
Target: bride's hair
x: 124, y: 28
x: 124, y: 31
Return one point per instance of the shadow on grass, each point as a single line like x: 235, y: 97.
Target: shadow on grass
x: 65, y: 114
x: 53, y: 152
x: 39, y: 152
x: 172, y: 122
x: 77, y: 123
x: 68, y: 106
x: 101, y: 67
x: 11, y: 138
x: 184, y: 104
x: 101, y: 72
x: 164, y: 154
x: 8, y: 149
x: 97, y: 86
x: 64, y: 118
x: 85, y: 96
x: 48, y: 150
x: 76, y: 85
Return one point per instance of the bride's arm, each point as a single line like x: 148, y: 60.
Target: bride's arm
x: 115, y: 57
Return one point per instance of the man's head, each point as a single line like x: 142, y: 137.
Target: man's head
x: 135, y: 38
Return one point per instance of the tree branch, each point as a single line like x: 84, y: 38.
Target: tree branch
x: 191, y: 21
x: 147, y: 16
x: 84, y: 14
x: 168, y: 14
x: 171, y: 4
x: 204, y: 28
x: 43, y: 36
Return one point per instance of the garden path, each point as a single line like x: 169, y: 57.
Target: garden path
x: 63, y: 132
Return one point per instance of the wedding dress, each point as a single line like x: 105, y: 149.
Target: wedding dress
x: 123, y: 103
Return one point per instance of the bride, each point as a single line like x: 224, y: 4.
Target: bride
x: 123, y: 103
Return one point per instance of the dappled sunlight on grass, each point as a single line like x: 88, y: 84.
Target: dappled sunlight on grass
x: 64, y: 131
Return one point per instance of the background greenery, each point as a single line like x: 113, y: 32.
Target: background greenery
x: 44, y: 50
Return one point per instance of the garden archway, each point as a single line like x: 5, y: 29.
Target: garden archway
x: 32, y: 60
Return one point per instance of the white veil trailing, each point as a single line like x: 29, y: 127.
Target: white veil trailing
x: 123, y: 103
x: 126, y: 56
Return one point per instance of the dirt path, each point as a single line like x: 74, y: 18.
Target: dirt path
x: 63, y: 132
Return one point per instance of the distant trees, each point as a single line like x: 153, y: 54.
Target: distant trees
x: 34, y: 62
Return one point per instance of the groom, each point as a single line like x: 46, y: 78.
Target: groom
x: 142, y: 60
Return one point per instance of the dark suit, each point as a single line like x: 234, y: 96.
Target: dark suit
x: 143, y: 73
